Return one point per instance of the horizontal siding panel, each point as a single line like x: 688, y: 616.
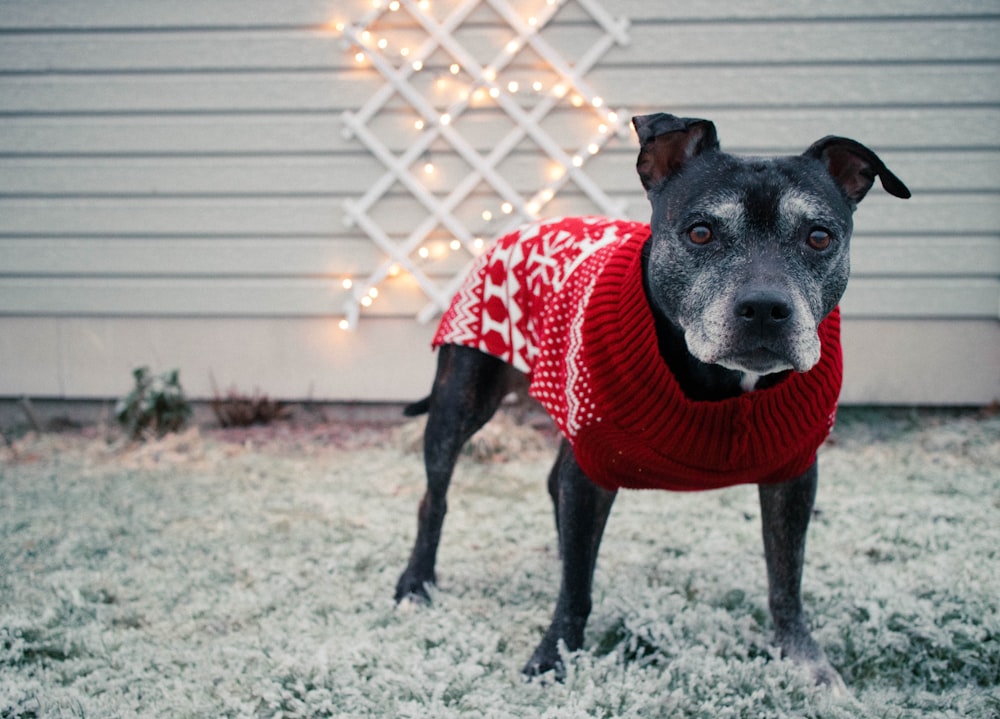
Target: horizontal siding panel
x: 767, y: 43
x: 324, y: 91
x: 255, y: 217
x: 916, y: 84
x: 142, y: 14
x: 282, y: 357
x: 345, y: 175
x: 151, y: 257
x: 742, y: 130
x: 298, y: 257
x: 741, y: 10
x: 929, y: 214
x: 223, y: 50
x: 312, y: 359
x: 196, y: 297
x: 266, y: 297
x: 760, y: 43
x: 95, y: 176
x: 960, y: 256
x: 248, y: 217
x: 923, y: 298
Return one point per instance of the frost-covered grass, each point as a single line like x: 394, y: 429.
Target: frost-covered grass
x: 213, y: 581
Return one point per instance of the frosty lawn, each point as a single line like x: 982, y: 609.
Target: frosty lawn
x: 200, y: 578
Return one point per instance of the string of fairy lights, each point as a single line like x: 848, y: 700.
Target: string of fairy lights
x: 404, y: 41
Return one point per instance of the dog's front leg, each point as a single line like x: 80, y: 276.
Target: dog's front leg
x: 582, y: 512
x: 785, y: 510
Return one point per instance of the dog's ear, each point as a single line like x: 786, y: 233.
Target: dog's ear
x: 854, y: 167
x: 667, y: 143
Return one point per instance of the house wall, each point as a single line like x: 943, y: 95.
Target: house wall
x: 173, y: 178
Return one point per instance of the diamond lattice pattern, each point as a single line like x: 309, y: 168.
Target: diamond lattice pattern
x: 480, y: 110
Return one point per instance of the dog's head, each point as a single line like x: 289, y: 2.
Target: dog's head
x: 749, y: 254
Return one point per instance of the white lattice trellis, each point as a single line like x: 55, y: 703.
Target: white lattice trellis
x: 401, y: 68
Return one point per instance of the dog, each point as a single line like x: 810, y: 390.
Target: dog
x: 696, y: 352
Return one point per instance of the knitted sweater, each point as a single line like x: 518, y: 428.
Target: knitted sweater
x: 563, y: 301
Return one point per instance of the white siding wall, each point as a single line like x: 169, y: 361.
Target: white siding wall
x: 172, y: 177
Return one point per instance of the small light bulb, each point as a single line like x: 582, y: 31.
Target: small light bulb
x: 424, y: 253
x: 454, y: 68
x: 455, y: 245
x: 359, y: 57
x: 577, y: 161
x: 512, y: 46
x: 576, y: 101
x: 593, y: 148
x: 478, y: 243
x: 348, y: 283
x: 446, y: 119
x: 487, y: 215
x: 494, y: 92
x: 417, y: 66
x: 373, y: 292
x: 428, y: 168
x: 419, y: 124
x: 506, y: 208
x: 366, y: 301
x: 394, y: 270
x: 536, y: 86
x: 394, y: 5
x: 383, y: 44
x: 597, y: 102
x: 512, y: 86
x: 344, y: 325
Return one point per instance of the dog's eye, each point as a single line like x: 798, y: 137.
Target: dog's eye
x: 700, y: 234
x: 819, y: 239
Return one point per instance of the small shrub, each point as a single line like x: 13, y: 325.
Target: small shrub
x: 155, y: 405
x: 236, y: 410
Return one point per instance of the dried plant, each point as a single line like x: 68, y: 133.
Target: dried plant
x: 239, y: 410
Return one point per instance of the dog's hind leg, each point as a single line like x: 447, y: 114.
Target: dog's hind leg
x: 582, y: 513
x: 785, y: 512
x: 468, y: 388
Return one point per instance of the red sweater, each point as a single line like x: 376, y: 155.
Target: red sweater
x: 563, y: 302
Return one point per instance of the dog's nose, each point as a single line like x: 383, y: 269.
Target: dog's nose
x: 765, y: 308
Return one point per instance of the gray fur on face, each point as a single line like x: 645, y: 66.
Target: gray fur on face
x: 759, y: 242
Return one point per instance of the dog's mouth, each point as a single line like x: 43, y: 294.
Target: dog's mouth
x: 759, y: 361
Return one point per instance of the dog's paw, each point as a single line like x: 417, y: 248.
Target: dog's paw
x: 548, y: 661
x: 412, y: 592
x: 411, y: 603
x: 545, y: 665
x: 824, y: 675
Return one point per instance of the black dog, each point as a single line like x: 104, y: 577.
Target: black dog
x: 700, y: 352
